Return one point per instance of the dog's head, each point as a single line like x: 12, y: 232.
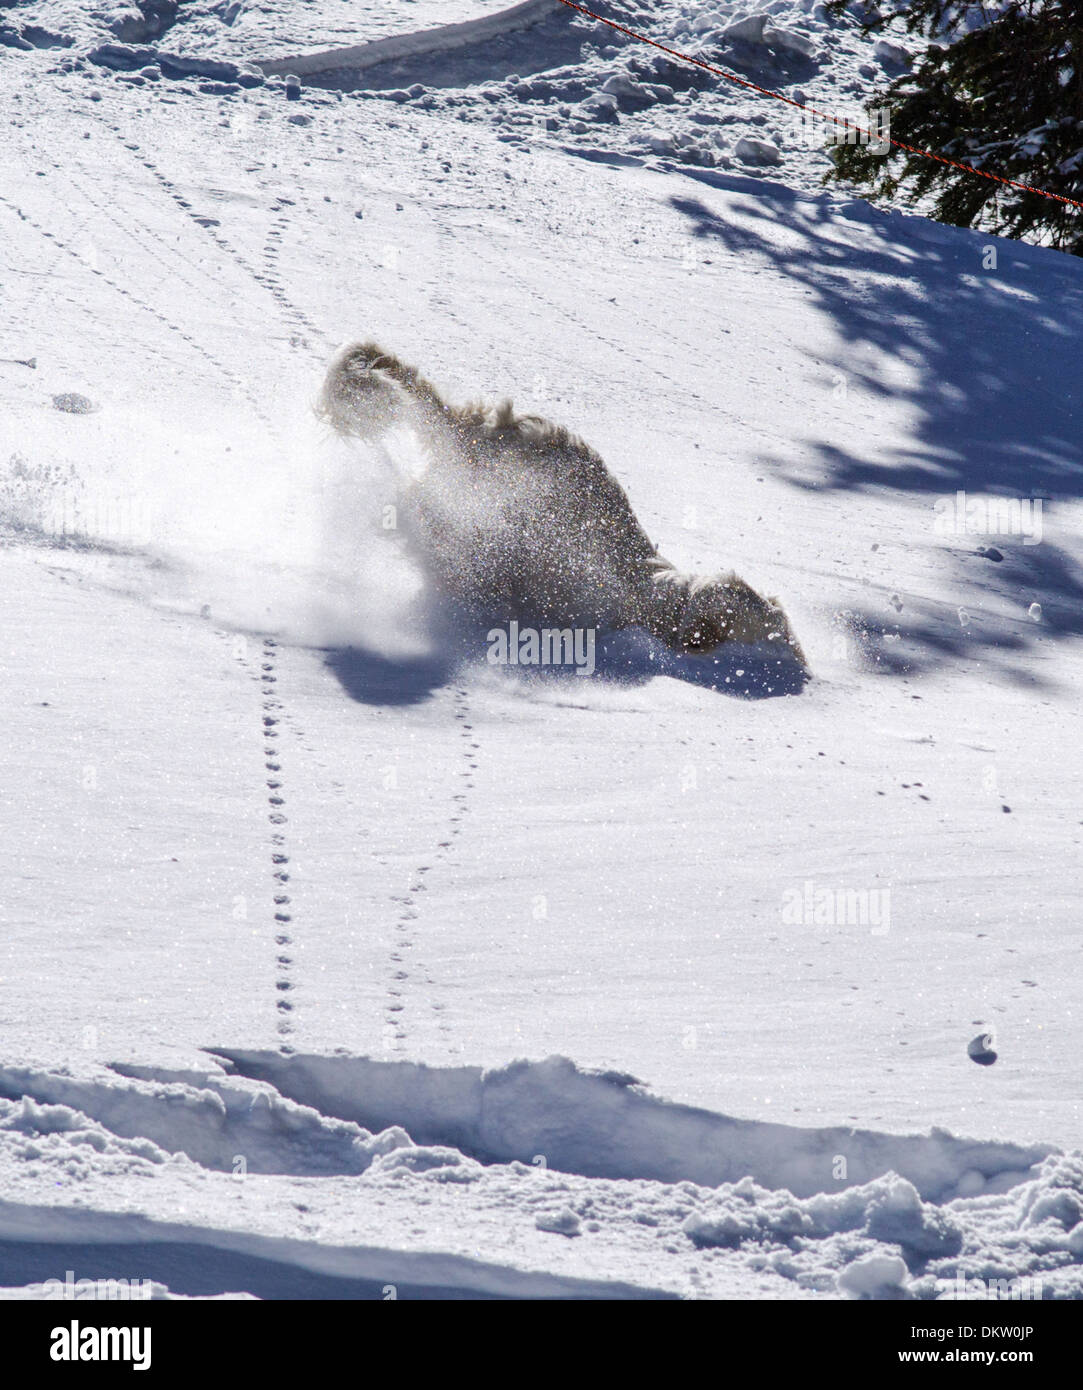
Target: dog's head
x: 726, y: 609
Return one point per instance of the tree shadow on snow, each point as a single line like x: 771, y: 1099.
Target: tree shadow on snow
x: 992, y: 371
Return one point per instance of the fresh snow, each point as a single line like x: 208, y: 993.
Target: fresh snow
x: 332, y: 961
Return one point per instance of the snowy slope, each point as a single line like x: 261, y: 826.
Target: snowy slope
x: 249, y: 807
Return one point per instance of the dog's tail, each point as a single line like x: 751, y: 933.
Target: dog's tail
x: 367, y: 391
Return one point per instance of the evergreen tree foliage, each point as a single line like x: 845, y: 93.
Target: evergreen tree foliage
x: 1001, y: 88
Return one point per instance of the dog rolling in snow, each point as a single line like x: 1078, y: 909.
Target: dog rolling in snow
x: 516, y: 518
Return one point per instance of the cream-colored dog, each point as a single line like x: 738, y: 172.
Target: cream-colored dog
x: 516, y: 518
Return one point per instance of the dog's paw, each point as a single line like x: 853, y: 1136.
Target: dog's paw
x: 359, y: 397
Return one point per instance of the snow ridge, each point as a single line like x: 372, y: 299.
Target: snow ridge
x: 247, y: 1190
x: 433, y: 41
x: 607, y: 1125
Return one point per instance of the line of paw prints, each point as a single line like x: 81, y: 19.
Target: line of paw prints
x: 270, y: 718
x: 271, y: 280
x: 283, y: 916
x: 210, y: 226
x: 406, y: 923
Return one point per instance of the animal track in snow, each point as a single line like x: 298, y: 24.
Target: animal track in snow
x: 409, y: 903
x: 283, y: 913
x: 213, y: 230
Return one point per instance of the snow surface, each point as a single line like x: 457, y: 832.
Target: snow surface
x: 301, y: 909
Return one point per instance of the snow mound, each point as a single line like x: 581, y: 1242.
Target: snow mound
x: 210, y: 1124
x: 874, y: 1276
x: 881, y: 1240
x: 76, y: 1188
x: 441, y: 40
x: 753, y: 151
x: 604, y: 1125
x: 888, y: 1210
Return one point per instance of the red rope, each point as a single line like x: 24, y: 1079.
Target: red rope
x: 837, y: 120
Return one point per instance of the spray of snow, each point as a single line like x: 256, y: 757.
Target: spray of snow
x: 293, y: 533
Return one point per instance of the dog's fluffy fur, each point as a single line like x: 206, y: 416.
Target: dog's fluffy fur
x: 516, y: 518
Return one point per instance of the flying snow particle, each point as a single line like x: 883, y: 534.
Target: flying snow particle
x: 1034, y: 612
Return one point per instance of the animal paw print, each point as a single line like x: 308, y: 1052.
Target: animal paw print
x: 276, y: 800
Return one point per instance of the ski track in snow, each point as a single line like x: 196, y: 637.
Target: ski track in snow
x: 220, y: 367
x: 271, y: 706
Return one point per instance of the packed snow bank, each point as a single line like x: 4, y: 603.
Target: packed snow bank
x: 438, y: 40
x: 606, y: 1125
x: 222, y: 29
x: 81, y: 1197
x: 211, y: 1123
x: 90, y: 1202
x: 530, y: 69
x: 881, y: 1240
